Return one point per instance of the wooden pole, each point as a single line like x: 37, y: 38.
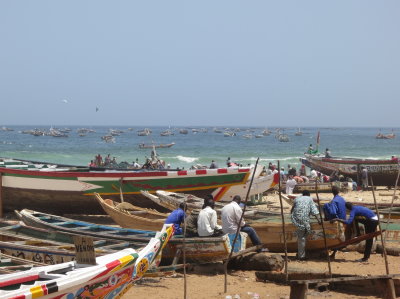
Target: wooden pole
x: 323, y: 230
x: 1, y: 195
x: 121, y: 194
x: 391, y: 205
x: 184, y: 253
x: 238, y: 230
x: 380, y: 228
x: 283, y: 222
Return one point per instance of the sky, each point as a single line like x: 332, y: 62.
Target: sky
x: 200, y: 63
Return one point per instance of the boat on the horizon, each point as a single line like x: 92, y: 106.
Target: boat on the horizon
x: 161, y: 145
x: 70, y: 189
x: 382, y: 172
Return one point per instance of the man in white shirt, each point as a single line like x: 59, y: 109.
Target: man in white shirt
x: 207, y: 221
x: 290, y: 184
x: 230, y: 216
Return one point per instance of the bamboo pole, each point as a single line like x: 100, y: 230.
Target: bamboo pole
x: 238, y: 230
x: 283, y: 223
x: 380, y: 228
x: 184, y: 253
x: 392, y: 203
x: 121, y: 194
x: 323, y: 230
x: 1, y: 194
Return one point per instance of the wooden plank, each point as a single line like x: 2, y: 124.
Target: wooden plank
x: 356, y: 240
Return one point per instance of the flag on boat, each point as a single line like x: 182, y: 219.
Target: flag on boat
x: 317, y: 141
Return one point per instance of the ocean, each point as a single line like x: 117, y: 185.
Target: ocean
x: 196, y: 148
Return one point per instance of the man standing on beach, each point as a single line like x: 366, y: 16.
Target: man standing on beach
x: 364, y: 178
x: 303, y: 208
x: 366, y: 217
x: 230, y: 216
x: 290, y: 184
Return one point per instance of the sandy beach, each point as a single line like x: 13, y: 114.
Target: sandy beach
x: 243, y: 284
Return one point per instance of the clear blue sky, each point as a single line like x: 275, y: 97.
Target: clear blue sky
x: 256, y: 63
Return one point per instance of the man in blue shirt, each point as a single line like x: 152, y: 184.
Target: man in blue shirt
x: 339, y: 202
x: 176, y: 218
x: 366, y: 217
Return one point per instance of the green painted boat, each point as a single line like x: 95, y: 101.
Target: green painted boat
x: 61, y: 189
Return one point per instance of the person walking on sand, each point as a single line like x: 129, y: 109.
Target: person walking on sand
x: 207, y: 221
x: 366, y: 217
x: 230, y: 216
x: 303, y: 208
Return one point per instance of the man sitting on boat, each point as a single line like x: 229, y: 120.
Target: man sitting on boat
x: 176, y: 218
x: 231, y: 215
x: 207, y: 221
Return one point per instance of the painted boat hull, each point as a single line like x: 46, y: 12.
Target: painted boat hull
x: 382, y: 172
x: 67, y: 191
x: 112, y: 275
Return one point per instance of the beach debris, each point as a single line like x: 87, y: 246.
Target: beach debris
x: 257, y: 261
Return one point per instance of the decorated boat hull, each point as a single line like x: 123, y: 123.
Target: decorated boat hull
x: 70, y: 190
x: 382, y: 172
x: 112, y: 275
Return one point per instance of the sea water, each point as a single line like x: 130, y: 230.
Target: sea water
x: 197, y: 148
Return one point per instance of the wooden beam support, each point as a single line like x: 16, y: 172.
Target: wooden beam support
x: 298, y: 290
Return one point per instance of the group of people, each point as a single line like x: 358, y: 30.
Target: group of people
x: 204, y: 222
x: 304, y: 209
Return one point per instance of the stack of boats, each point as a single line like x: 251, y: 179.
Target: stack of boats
x: 112, y: 274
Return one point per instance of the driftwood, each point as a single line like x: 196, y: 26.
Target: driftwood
x: 293, y: 274
x: 257, y: 261
x: 384, y: 286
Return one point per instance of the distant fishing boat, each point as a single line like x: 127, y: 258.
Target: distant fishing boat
x: 298, y: 133
x: 161, y: 145
x: 385, y: 136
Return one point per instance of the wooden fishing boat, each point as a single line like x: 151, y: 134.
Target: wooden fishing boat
x: 198, y: 250
x: 161, y: 145
x: 11, y: 264
x: 69, y: 189
x: 270, y: 232
x: 383, y: 172
x: 300, y: 187
x: 14, y: 231
x: 112, y: 275
x: 172, y: 200
x: 127, y: 215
